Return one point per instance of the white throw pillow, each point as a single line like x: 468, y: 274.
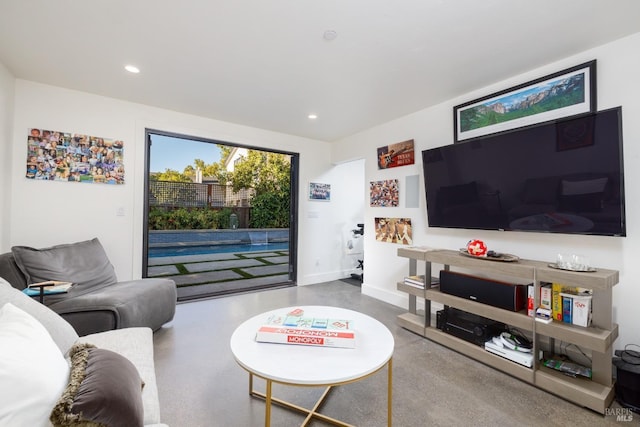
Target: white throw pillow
x: 33, y: 372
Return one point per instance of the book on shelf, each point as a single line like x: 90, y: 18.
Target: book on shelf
x: 49, y: 287
x: 546, y: 295
x: 557, y: 306
x: 567, y: 306
x: 543, y: 320
x: 417, y: 281
x: 544, y: 315
x: 414, y: 285
x: 300, y: 330
x: 569, y: 301
x: 580, y: 308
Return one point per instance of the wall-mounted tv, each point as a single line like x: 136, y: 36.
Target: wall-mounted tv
x: 564, y: 176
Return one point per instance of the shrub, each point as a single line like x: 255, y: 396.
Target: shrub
x: 188, y: 218
x: 270, y: 210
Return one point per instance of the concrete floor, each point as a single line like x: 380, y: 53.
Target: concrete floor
x: 200, y: 384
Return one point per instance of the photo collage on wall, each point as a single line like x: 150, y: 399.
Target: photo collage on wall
x: 394, y: 230
x: 384, y: 193
x: 62, y: 156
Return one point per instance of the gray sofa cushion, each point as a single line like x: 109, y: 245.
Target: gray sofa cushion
x: 10, y: 271
x: 84, y: 263
x: 136, y: 344
x: 142, y: 302
x: 62, y: 332
x: 98, y: 302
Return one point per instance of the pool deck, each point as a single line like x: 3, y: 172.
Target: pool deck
x: 164, y: 238
x: 214, y: 273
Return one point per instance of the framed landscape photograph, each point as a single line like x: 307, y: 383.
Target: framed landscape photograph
x: 562, y: 94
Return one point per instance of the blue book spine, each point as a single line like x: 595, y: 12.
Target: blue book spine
x: 567, y: 305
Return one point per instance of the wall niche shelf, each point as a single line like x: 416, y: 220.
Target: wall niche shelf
x: 595, y: 394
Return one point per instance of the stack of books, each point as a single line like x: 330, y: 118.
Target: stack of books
x: 571, y: 304
x: 295, y: 328
x: 560, y: 303
x: 50, y: 287
x: 415, y: 281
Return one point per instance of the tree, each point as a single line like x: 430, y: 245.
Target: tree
x: 214, y: 170
x: 269, y: 175
x: 190, y: 172
x: 262, y: 171
x: 225, y: 152
x: 170, y: 175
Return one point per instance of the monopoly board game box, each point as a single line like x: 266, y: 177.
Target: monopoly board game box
x: 295, y: 328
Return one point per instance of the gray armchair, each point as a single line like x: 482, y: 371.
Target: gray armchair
x: 98, y: 301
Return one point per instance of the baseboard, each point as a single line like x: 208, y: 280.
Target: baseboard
x: 312, y: 279
x: 399, y: 299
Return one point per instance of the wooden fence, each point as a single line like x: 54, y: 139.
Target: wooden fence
x: 172, y: 195
x: 193, y: 195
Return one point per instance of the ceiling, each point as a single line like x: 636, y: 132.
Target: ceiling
x: 265, y: 63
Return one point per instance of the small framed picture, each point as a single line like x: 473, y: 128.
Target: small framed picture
x: 394, y: 155
x: 319, y: 191
x: 384, y: 193
x: 394, y: 230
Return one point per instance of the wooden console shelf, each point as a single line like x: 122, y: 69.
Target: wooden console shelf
x: 596, y: 394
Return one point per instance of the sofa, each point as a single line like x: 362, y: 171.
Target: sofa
x: 593, y: 196
x: 43, y: 385
x: 97, y: 301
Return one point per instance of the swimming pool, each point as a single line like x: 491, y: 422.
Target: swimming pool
x: 215, y: 249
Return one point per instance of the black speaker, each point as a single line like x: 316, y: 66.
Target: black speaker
x: 628, y: 378
x: 487, y: 291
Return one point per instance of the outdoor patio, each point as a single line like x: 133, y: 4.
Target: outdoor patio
x: 221, y: 273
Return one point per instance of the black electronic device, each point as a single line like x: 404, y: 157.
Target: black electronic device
x: 357, y: 233
x: 467, y: 326
x: 564, y: 176
x: 487, y: 291
x: 516, y: 341
x: 627, y: 363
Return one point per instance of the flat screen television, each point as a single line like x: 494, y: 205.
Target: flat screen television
x: 564, y: 176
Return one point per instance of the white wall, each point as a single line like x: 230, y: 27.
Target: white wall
x: 6, y: 118
x: 330, y: 223
x: 618, y: 84
x: 48, y: 213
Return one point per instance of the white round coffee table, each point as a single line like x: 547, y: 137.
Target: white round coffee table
x: 554, y: 221
x: 314, y: 365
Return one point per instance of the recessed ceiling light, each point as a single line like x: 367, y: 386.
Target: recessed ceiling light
x: 132, y: 69
x: 330, y: 35
x: 312, y: 116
